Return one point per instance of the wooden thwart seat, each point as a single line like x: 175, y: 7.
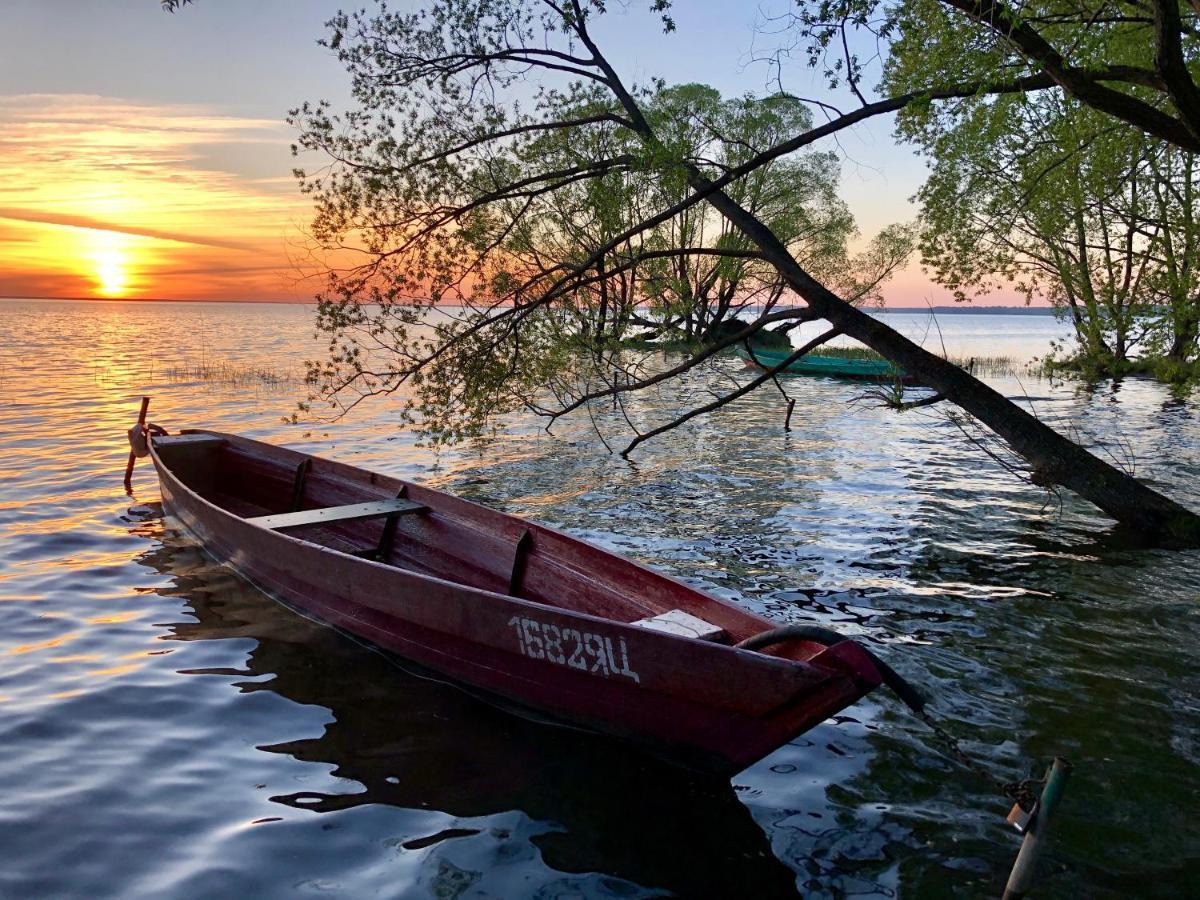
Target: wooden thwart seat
x: 677, y: 622
x: 329, y: 514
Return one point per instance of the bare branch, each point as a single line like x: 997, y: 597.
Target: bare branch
x: 740, y: 392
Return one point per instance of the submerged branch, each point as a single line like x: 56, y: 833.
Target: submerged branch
x: 740, y: 392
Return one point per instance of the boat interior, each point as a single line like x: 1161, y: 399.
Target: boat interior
x: 420, y: 530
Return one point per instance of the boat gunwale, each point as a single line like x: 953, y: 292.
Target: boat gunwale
x: 769, y: 661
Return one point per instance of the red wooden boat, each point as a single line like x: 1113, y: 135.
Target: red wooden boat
x: 518, y: 610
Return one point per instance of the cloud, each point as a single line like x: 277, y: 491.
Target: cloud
x: 21, y: 215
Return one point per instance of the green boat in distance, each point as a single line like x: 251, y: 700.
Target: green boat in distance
x: 829, y: 366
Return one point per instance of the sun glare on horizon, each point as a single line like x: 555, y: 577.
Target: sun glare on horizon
x: 111, y: 260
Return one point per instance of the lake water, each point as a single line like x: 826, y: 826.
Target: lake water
x: 168, y: 730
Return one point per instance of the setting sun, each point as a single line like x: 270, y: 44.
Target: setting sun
x: 110, y: 261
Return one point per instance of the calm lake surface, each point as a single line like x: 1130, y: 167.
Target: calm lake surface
x: 168, y: 730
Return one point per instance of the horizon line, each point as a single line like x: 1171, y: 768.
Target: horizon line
x: 937, y: 308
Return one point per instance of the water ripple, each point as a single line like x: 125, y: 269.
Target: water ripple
x: 168, y: 730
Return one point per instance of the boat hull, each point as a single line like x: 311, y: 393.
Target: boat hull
x: 705, y: 705
x: 872, y: 370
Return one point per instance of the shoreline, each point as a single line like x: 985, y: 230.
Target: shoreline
x: 899, y: 310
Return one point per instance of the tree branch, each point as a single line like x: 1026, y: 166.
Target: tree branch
x: 740, y: 392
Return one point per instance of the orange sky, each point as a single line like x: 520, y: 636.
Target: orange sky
x: 105, y: 198
x: 170, y: 177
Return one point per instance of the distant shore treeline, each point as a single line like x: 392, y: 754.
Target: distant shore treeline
x: 939, y: 310
x: 963, y: 310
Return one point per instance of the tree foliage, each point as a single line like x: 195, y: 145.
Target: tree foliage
x: 1069, y: 206
x: 1081, y: 195
x: 512, y: 236
x: 1135, y: 62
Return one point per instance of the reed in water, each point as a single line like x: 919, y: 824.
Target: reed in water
x: 229, y: 372
x: 991, y: 365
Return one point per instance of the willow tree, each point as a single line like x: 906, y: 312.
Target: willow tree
x: 562, y: 219
x: 1129, y: 69
x: 693, y: 296
x: 1064, y: 204
x: 1175, y: 185
x: 698, y: 296
x: 432, y: 173
x: 1135, y: 61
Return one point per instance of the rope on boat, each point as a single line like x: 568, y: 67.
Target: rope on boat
x: 1022, y: 791
x: 911, y: 697
x: 139, y: 441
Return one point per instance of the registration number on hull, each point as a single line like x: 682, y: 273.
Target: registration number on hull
x: 582, y: 650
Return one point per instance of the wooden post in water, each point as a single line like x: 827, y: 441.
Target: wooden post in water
x: 141, y: 423
x: 1021, y: 878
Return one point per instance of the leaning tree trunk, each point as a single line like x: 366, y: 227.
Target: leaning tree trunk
x: 1054, y: 459
x: 1184, y: 340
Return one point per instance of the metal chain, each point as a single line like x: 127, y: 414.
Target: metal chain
x: 1021, y: 792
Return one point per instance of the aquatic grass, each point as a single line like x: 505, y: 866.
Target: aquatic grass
x: 978, y: 365
x: 231, y: 373
x: 1182, y: 376
x: 989, y: 365
x: 846, y: 353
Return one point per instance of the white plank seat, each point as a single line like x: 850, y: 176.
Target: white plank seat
x: 677, y: 622
x: 329, y: 514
